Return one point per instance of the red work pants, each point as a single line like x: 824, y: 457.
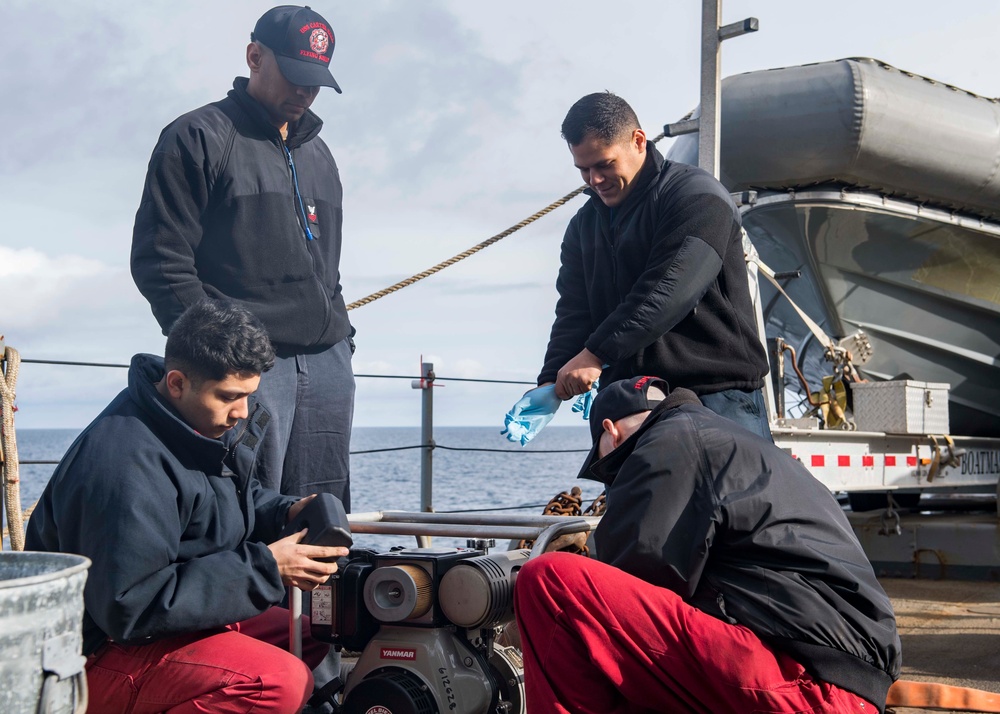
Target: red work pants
x: 238, y: 668
x: 599, y: 641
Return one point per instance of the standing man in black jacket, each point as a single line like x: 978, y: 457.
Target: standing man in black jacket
x: 243, y: 200
x: 652, y: 277
x: 728, y: 579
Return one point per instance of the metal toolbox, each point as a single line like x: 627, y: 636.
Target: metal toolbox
x: 901, y: 406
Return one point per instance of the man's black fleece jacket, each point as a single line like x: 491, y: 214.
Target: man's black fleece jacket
x: 658, y: 286
x: 221, y: 216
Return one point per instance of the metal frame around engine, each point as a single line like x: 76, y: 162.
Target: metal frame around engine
x: 441, y: 657
x: 541, y: 529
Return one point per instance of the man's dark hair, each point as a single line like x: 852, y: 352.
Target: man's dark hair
x: 216, y: 338
x: 603, y: 115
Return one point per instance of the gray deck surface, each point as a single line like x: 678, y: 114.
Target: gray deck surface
x: 950, y: 632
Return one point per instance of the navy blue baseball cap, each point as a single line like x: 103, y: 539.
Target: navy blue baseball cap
x: 302, y: 43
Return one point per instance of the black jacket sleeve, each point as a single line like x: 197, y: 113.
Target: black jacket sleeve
x: 270, y: 512
x: 684, y: 261
x: 168, y: 225
x: 572, y: 325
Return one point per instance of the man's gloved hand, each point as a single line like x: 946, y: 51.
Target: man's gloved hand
x: 531, y: 413
x: 585, y: 401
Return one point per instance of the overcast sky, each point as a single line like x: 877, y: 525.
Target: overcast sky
x: 447, y: 133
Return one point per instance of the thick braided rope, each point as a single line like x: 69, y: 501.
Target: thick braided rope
x: 475, y: 249
x: 471, y: 251
x: 9, y: 467
x: 26, y: 515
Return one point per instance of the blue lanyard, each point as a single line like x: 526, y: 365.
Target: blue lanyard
x: 298, y: 195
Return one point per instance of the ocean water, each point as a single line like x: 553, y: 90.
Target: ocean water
x: 501, y: 477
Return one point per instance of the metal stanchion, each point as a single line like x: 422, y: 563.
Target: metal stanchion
x: 295, y: 621
x: 426, y: 384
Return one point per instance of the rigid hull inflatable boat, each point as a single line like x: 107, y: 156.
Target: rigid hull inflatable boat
x: 876, y: 194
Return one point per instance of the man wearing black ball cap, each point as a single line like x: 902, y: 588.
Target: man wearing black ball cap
x: 727, y: 578
x: 243, y: 201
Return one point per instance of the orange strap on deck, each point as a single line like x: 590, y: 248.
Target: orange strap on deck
x: 930, y: 695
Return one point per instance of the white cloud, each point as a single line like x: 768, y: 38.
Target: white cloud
x: 38, y: 285
x: 30, y: 265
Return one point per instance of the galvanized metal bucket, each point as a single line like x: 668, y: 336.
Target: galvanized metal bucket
x: 41, y: 637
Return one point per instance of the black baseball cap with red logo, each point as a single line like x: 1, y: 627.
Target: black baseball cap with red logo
x: 619, y: 400
x: 625, y: 398
x: 302, y: 42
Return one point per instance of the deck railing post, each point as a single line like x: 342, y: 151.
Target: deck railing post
x: 426, y: 384
x: 3, y: 458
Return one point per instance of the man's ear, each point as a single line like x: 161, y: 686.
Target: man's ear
x: 253, y: 57
x: 639, y: 140
x: 177, y: 382
x: 619, y: 435
x: 609, y: 426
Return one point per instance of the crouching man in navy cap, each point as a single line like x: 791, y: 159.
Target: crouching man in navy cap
x: 728, y: 580
x: 160, y: 492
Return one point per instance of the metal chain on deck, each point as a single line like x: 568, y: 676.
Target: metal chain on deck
x: 599, y: 505
x: 567, y: 503
x: 570, y: 503
x: 8, y: 452
x: 476, y: 248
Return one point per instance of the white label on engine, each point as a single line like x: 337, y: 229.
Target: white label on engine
x: 322, y: 605
x: 378, y: 709
x: 398, y: 653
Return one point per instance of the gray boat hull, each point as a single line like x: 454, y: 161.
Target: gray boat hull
x: 883, y: 189
x: 922, y: 286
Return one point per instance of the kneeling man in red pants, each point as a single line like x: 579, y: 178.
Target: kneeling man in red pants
x: 729, y: 579
x: 187, y: 565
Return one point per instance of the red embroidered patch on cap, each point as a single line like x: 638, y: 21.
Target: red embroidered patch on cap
x: 319, y: 40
